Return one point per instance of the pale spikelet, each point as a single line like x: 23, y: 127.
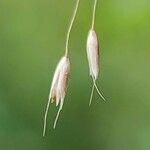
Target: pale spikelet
x: 93, y: 54
x: 93, y: 59
x: 58, y: 87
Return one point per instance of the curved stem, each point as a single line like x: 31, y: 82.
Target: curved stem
x: 94, y: 12
x: 70, y: 27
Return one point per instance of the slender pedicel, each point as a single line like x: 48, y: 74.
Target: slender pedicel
x: 94, y: 14
x: 70, y: 26
x: 93, y: 55
x: 60, y: 78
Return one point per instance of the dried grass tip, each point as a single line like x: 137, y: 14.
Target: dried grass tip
x: 93, y: 60
x: 58, y: 88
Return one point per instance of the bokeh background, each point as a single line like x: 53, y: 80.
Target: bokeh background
x: 32, y: 40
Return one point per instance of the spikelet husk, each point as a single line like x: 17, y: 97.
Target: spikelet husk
x: 93, y: 54
x: 93, y: 60
x: 58, y: 87
x: 59, y: 82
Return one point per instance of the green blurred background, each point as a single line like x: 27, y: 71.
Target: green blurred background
x: 32, y: 40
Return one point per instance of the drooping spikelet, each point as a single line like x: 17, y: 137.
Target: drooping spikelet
x: 58, y: 87
x: 93, y: 54
x: 93, y: 59
x: 61, y: 75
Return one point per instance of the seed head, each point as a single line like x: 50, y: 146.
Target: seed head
x: 93, y: 54
x: 93, y: 60
x: 58, y: 87
x: 60, y: 80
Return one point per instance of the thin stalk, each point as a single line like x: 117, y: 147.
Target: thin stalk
x: 94, y: 14
x: 70, y: 27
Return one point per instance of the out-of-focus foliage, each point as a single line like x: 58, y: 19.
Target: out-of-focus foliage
x: 32, y: 40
